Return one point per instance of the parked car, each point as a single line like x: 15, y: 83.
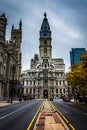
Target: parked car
x: 66, y: 98
x: 81, y: 99
x: 85, y: 99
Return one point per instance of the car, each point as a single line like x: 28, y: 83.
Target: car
x: 81, y: 99
x: 66, y: 98
x: 85, y: 99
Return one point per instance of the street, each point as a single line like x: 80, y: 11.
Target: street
x: 18, y: 116
x: 76, y: 113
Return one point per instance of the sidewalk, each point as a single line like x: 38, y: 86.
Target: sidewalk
x: 49, y: 119
x: 5, y: 103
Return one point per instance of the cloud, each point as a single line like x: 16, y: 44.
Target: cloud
x: 67, y: 19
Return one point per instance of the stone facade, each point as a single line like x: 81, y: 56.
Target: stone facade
x: 10, y: 59
x: 46, y: 76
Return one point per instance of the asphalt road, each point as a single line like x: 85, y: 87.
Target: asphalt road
x: 18, y: 116
x: 76, y: 113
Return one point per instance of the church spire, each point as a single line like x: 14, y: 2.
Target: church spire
x: 20, y: 24
x: 12, y: 26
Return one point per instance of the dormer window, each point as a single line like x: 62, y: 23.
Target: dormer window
x: 45, y: 27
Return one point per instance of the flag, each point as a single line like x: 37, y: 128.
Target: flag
x: 19, y: 86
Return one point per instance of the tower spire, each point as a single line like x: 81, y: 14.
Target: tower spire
x: 20, y: 24
x: 12, y: 26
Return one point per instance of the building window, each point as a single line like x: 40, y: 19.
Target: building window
x: 60, y: 82
x: 38, y: 90
x: 64, y: 90
x: 34, y: 82
x: 26, y: 82
x: 26, y: 90
x: 22, y: 82
x: 52, y: 81
x: 52, y: 90
x: 38, y: 82
x: 45, y: 42
x: 60, y: 90
x: 63, y: 82
x: 56, y: 90
x: 30, y: 90
x: 34, y: 90
x: 30, y: 82
x: 45, y: 81
x: 45, y: 65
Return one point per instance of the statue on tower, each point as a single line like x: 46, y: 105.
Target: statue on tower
x: 45, y: 15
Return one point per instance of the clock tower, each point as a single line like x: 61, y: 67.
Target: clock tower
x: 46, y: 77
x: 45, y: 48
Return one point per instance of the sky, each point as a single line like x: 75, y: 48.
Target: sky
x: 67, y: 20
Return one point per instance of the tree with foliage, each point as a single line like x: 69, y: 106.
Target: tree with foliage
x: 77, y: 78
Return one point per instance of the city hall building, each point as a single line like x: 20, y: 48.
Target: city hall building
x: 46, y: 76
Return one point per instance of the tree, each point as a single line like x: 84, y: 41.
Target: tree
x: 77, y: 78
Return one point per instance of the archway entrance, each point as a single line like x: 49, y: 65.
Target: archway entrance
x: 45, y: 93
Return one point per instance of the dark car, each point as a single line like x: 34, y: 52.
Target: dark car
x: 85, y: 99
x: 66, y: 98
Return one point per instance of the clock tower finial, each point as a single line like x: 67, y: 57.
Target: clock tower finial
x: 45, y: 15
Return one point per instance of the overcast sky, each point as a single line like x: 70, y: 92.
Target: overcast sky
x: 67, y: 19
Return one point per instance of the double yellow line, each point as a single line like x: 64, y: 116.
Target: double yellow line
x: 32, y: 121
x: 63, y: 117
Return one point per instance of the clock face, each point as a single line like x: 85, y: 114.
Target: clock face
x: 45, y: 34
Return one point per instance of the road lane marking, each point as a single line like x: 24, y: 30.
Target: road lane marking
x: 32, y: 121
x: 12, y: 112
x: 84, y: 113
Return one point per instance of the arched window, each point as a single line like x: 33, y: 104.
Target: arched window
x: 45, y: 65
x: 45, y: 42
